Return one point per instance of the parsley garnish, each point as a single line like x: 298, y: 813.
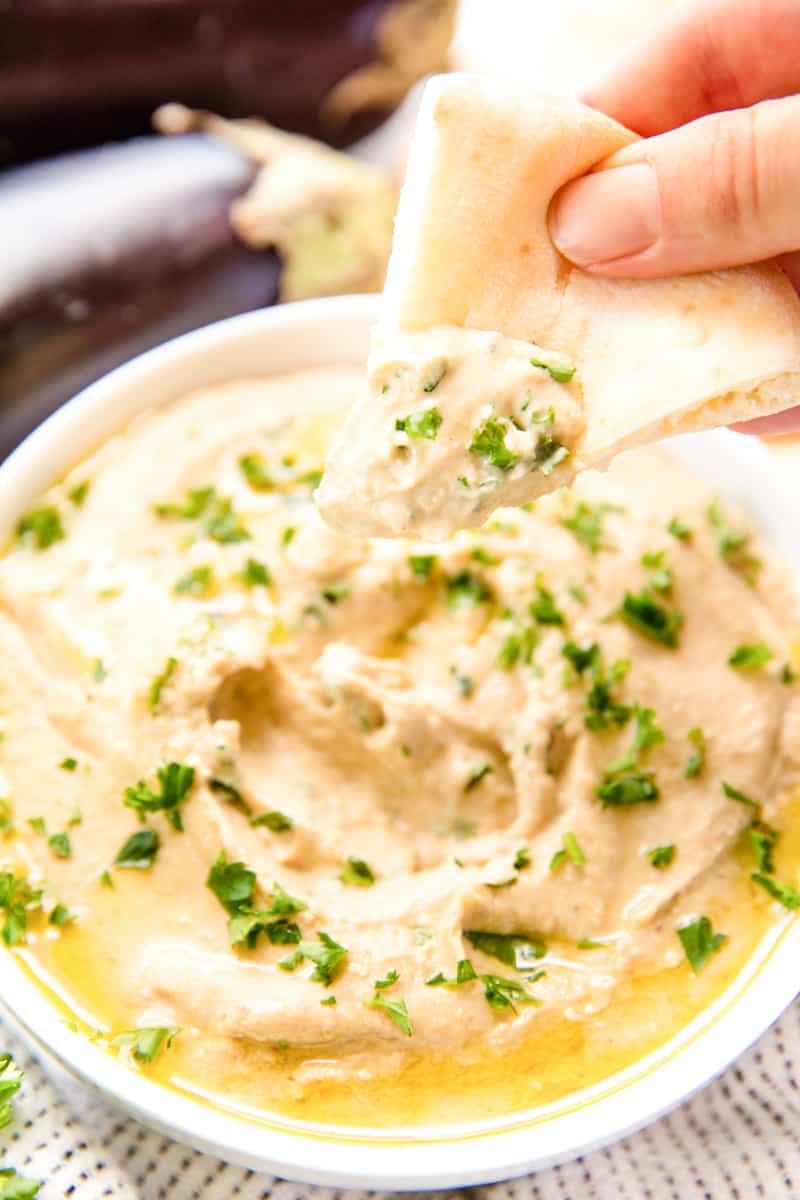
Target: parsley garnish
x: 61, y: 916
x: 60, y: 845
x: 661, y: 856
x: 522, y: 858
x: 17, y: 1187
x: 41, y: 527
x: 148, y: 1042
x: 78, y: 494
x: 560, y: 373
x: 679, y: 529
x: 653, y: 620
x: 254, y: 469
x: 328, y: 1001
x: 465, y: 590
x: 477, y: 775
x: 215, y: 514
x: 585, y: 523
x: 140, y: 850
x: 489, y: 443
x: 505, y: 993
x: 543, y: 608
x: 465, y: 973
x: 697, y: 761
x: 199, y: 581
x: 99, y: 671
x: 463, y: 682
x: 604, y: 710
x: 516, y: 647
x: 177, y: 781
x: 17, y: 900
x: 763, y: 841
x: 274, y: 820
x: 396, y: 1009
x: 648, y: 733
x: 334, y: 592
x: 10, y: 1083
x: 392, y: 977
x: 357, y: 873
x: 622, y: 791
x: 421, y: 565
x: 255, y: 573
x: 327, y: 955
x: 160, y: 682
x: 518, y: 950
x: 234, y: 885
x: 422, y: 425
x: 734, y: 794
x: 732, y: 543
x: 787, y: 895
x: 750, y: 656
x: 700, y: 942
x: 549, y: 454
x: 661, y: 579
x: 68, y: 764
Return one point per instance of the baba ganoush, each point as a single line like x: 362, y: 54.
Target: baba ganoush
x: 288, y: 815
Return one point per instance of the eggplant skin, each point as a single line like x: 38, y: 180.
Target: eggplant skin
x: 80, y: 72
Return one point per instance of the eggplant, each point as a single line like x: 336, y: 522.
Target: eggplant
x: 109, y: 252
x: 80, y: 72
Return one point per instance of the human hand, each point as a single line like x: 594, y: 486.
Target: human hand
x: 716, y: 182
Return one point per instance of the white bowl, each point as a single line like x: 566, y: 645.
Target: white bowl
x: 336, y: 331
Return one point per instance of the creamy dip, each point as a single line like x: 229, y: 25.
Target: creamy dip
x: 333, y: 807
x: 453, y: 424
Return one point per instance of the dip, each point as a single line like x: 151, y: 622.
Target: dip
x: 292, y: 816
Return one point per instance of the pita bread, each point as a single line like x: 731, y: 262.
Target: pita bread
x: 472, y: 250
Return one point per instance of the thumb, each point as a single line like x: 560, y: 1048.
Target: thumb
x: 720, y: 191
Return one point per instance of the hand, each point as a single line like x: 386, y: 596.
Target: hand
x: 716, y: 182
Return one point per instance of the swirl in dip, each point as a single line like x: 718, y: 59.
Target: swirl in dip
x: 484, y: 819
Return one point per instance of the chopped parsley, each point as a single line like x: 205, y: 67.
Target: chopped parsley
x: 604, y: 710
x: 784, y: 893
x: 505, y: 993
x: 679, y: 529
x: 489, y: 443
x: 787, y: 675
x: 176, y: 780
x: 288, y: 535
x: 231, y: 794
x: 68, y: 764
x: 60, y: 845
x: 465, y: 973
x: 661, y: 578
x: 392, y: 977
x: 570, y: 850
x: 465, y: 590
x: 651, y: 619
x: 77, y: 495
x: 700, y: 943
x: 254, y: 469
x: 61, y: 916
x: 422, y: 425
x: 41, y: 527
x: 17, y: 900
x: 328, y: 1001
x: 543, y: 608
x: 697, y: 761
x: 327, y: 955
x: 661, y: 856
x: 623, y: 791
x: 557, y: 372
x: 464, y: 683
x: 140, y: 851
x: 214, y: 514
x: 10, y: 1083
x: 16, y: 1187
x: 395, y: 1008
x: 148, y: 1042
x: 159, y: 683
x: 99, y: 671
x: 517, y: 647
x: 334, y: 592
x: 522, y: 858
x: 477, y: 776
x: 274, y: 820
x: 199, y: 581
x: 734, y: 794
x: 234, y: 885
x: 585, y: 523
x: 549, y: 454
x: 255, y: 573
x: 732, y: 544
x: 434, y: 374
x: 421, y: 565
x: 357, y: 873
x: 763, y: 841
x: 518, y: 950
x: 648, y: 733
x: 480, y: 555
x: 750, y: 656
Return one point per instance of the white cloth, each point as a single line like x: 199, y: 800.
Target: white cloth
x: 737, y: 1140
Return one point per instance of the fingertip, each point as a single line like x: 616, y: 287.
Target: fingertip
x: 608, y: 215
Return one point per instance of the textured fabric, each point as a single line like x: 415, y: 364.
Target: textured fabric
x: 738, y: 1139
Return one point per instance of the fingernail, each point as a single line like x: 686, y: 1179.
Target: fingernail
x: 611, y: 214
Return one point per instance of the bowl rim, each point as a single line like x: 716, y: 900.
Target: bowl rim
x: 404, y: 1158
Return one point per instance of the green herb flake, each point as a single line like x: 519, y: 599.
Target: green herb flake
x: 140, y: 851
x: 106, y: 879
x: 679, y: 529
x: 327, y: 955
x: 517, y: 950
x: 623, y: 791
x: 763, y: 841
x: 651, y: 619
x: 586, y: 524
x: 465, y: 973
x: 147, y: 1043
x: 732, y: 544
x: 648, y: 733
x: 176, y: 780
x: 434, y: 374
x: 522, y: 858
x: 328, y: 1001
x: 14, y: 1186
x: 68, y: 764
x: 784, y: 893
x: 700, y: 943
x: 573, y: 849
x: 734, y: 794
x: 159, y: 683
x: 559, y: 373
x: 395, y: 1008
x: 77, y: 495
x: 505, y: 993
x: 61, y: 916
x: 477, y: 776
x: 750, y: 656
x: 423, y: 425
x: 17, y: 900
x: 255, y: 573
x: 488, y: 442
x: 60, y: 845
x: 199, y: 581
x: 543, y: 608
x: 422, y: 565
x: 41, y: 527
x: 275, y: 821
x: 464, y: 683
x: 787, y: 675
x: 214, y: 514
x: 661, y: 856
x: 357, y: 873
x: 335, y: 592
x: 697, y: 761
x: 10, y: 1083
x: 466, y: 590
x: 99, y: 671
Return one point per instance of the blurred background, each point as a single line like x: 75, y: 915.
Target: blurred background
x: 166, y: 163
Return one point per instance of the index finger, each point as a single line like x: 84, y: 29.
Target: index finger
x: 704, y: 57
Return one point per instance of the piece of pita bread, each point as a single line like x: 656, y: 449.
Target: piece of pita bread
x: 472, y: 249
